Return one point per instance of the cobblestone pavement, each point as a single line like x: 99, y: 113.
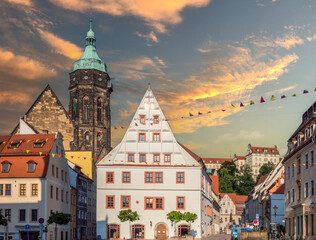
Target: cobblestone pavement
x: 218, y: 237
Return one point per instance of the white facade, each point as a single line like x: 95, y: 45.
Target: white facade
x: 151, y: 173
x: 30, y: 195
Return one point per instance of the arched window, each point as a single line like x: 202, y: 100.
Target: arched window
x: 74, y: 109
x: 85, y: 108
x: 86, y: 135
x: 99, y: 109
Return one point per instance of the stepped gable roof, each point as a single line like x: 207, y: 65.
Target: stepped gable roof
x: 149, y: 119
x: 216, y: 160
x: 215, y: 184
x: 19, y: 150
x: 261, y: 180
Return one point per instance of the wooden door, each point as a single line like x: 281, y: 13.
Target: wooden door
x: 161, y: 232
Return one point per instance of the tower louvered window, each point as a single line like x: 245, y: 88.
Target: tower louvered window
x: 85, y: 108
x: 99, y: 109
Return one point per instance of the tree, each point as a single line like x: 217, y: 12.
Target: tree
x: 175, y: 217
x: 59, y: 219
x: 231, y: 166
x: 227, y: 182
x: 265, y: 169
x: 130, y: 216
x: 189, y: 217
x: 3, y: 220
x: 245, y: 182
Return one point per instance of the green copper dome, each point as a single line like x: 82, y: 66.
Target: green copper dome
x: 90, y: 58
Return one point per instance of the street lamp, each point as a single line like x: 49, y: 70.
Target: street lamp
x: 275, y: 209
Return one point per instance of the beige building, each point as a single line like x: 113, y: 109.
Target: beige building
x: 232, y: 208
x: 213, y: 164
x: 34, y: 182
x: 300, y: 177
x: 257, y: 156
x: 239, y: 161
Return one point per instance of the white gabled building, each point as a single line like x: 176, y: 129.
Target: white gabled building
x: 151, y: 173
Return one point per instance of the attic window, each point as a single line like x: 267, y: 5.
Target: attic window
x: 265, y: 150
x: 257, y: 149
x: 31, y: 165
x: 5, y: 166
x: 39, y: 144
x: 15, y: 144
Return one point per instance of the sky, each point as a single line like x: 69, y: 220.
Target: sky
x: 197, y: 55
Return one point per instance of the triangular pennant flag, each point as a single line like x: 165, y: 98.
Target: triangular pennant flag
x: 252, y: 103
x: 223, y: 110
x: 27, y: 151
x: 34, y: 152
x: 294, y: 95
x: 53, y: 154
x: 65, y: 155
x: 136, y: 124
x: 59, y: 155
x: 209, y: 112
x: 272, y: 98
x: 40, y: 153
x: 241, y: 105
x: 200, y: 113
x: 262, y: 100
x: 46, y: 154
x: 28, y: 141
x: 232, y: 106
x: 190, y: 114
x: 283, y: 96
x: 305, y: 91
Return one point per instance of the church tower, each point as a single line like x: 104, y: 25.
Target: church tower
x: 89, y: 107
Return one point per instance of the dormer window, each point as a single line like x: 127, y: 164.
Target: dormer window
x: 5, y: 167
x: 39, y: 144
x: 15, y: 144
x: 265, y: 150
x: 31, y: 165
x: 257, y: 149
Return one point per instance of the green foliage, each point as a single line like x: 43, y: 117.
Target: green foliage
x: 265, y: 169
x: 245, y: 182
x: 189, y: 217
x: 231, y: 166
x: 227, y: 182
x: 3, y: 220
x: 59, y: 218
x: 128, y: 215
x: 175, y: 216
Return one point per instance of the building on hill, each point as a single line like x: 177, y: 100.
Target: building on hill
x: 151, y: 173
x: 240, y: 161
x: 268, y: 192
x: 257, y: 156
x: 299, y: 161
x: 34, y: 182
x: 232, y: 207
x: 213, y: 164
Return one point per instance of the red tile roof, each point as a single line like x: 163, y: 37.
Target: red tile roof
x: 278, y: 189
x: 216, y: 160
x: 26, y: 151
x: 215, y: 184
x: 241, y: 157
x: 261, y: 180
x: 261, y: 150
x: 237, y: 199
